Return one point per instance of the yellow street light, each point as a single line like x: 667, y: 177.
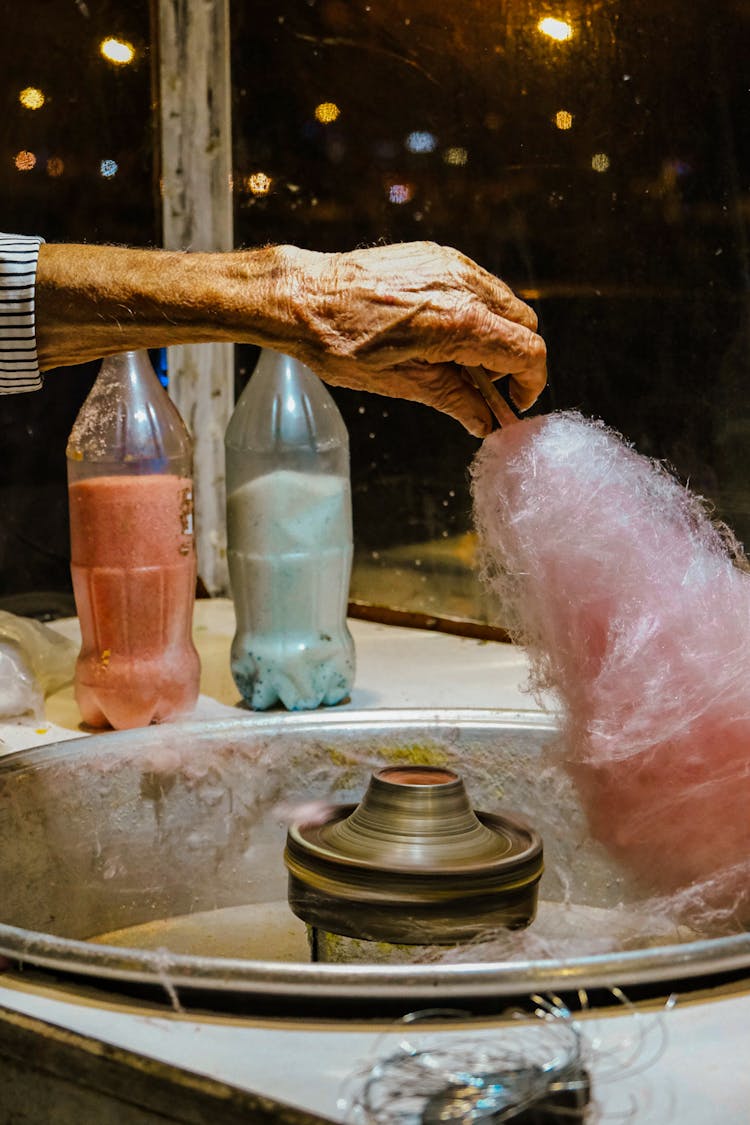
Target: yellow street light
x: 24, y: 160
x: 31, y: 98
x: 455, y: 155
x: 259, y: 183
x: 327, y: 112
x: 117, y: 51
x: 559, y: 30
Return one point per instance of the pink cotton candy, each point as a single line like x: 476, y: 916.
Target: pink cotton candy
x: 627, y: 599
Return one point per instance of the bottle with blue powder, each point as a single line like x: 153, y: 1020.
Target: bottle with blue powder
x: 289, y: 529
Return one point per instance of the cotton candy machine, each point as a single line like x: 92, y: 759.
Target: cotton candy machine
x: 155, y: 858
x: 410, y: 868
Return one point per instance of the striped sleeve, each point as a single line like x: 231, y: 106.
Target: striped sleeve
x: 19, y: 370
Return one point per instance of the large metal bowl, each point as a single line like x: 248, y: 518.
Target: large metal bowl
x: 116, y: 830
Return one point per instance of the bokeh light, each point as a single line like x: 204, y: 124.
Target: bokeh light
x: 563, y: 119
x: 55, y: 166
x: 455, y: 155
x: 600, y: 162
x: 32, y: 98
x: 24, y: 160
x: 108, y: 169
x: 258, y: 183
x: 117, y: 51
x: 421, y: 141
x: 400, y: 193
x: 559, y: 30
x: 327, y: 112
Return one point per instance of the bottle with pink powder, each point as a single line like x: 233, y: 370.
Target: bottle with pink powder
x: 132, y: 549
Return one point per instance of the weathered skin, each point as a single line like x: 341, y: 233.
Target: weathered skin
x: 403, y: 320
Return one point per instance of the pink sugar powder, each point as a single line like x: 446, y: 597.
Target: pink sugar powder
x: 634, y: 613
x: 133, y: 567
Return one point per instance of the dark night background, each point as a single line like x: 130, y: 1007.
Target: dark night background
x: 627, y: 231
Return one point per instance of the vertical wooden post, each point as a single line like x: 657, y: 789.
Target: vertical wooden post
x: 196, y: 180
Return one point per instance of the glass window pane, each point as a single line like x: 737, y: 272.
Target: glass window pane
x: 598, y: 161
x: 76, y: 164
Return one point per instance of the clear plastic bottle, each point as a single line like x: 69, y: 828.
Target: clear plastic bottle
x: 289, y: 532
x: 132, y: 549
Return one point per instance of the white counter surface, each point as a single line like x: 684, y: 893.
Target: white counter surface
x: 689, y: 1065
x: 395, y: 668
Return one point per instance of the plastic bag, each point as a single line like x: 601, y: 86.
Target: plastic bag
x: 34, y: 661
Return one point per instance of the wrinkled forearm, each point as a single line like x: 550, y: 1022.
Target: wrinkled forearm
x: 410, y: 320
x: 93, y: 301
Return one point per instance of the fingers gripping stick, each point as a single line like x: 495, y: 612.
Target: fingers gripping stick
x: 500, y: 406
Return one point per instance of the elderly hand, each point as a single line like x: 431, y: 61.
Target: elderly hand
x: 404, y: 320
x: 408, y: 320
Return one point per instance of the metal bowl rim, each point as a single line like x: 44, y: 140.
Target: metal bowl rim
x: 315, y: 981
x: 109, y: 741
x: 300, y: 979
